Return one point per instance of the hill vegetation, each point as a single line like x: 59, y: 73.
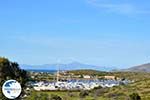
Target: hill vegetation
x: 140, y: 68
x: 11, y: 70
x: 139, y: 89
x: 136, y: 76
x: 87, y: 72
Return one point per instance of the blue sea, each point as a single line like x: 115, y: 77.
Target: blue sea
x: 45, y: 71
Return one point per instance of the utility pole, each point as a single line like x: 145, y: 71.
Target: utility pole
x: 58, y: 71
x: 58, y: 75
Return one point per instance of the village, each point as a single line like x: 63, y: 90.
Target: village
x: 68, y: 81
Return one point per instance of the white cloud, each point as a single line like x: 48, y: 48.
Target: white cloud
x: 117, y: 7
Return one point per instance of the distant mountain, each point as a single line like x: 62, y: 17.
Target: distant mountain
x: 140, y: 68
x: 70, y: 66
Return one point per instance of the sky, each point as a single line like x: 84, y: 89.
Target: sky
x: 99, y: 32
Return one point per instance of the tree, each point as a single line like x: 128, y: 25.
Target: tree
x: 11, y: 70
x: 135, y: 96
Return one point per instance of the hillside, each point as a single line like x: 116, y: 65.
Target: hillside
x: 87, y: 72
x: 140, y: 68
x: 122, y: 92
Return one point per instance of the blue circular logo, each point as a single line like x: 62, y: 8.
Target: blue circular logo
x: 11, y: 89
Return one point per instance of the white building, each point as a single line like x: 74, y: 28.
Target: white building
x: 86, y: 76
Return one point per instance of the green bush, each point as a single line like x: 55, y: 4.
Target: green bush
x: 134, y: 96
x: 83, y: 94
x: 55, y: 97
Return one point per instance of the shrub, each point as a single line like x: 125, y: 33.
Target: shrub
x: 83, y: 94
x: 135, y: 96
x: 55, y: 97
